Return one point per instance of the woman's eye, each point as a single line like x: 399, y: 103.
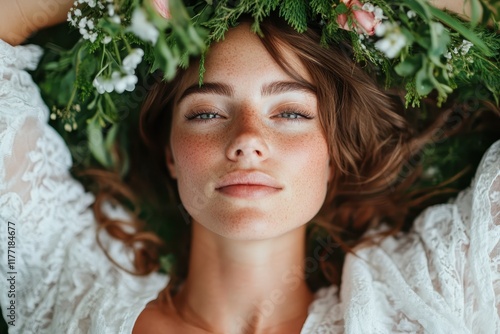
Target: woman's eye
x: 202, y: 116
x: 295, y: 115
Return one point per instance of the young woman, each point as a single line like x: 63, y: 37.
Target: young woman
x: 282, y: 132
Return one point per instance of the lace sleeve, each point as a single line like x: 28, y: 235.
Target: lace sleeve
x: 482, y: 282
x: 60, y: 281
x: 443, y: 276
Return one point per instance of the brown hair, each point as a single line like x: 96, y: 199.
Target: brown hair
x: 369, y: 142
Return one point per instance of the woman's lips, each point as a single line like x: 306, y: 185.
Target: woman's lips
x: 248, y: 184
x: 248, y: 190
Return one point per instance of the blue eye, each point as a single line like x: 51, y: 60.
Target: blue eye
x: 202, y: 116
x: 295, y: 115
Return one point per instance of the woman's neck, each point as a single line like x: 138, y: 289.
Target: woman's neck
x: 245, y: 286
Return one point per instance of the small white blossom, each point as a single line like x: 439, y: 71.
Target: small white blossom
x: 90, y: 24
x: 53, y: 116
x: 130, y: 81
x: 118, y: 83
x: 392, y: 43
x: 111, y: 10
x: 379, y: 14
x: 131, y: 61
x: 142, y: 28
x: 93, y: 37
x: 447, y: 55
x: 381, y: 29
x: 67, y: 127
x: 411, y: 14
x: 465, y: 47
x: 368, y: 7
x: 78, y: 12
x: 103, y: 85
x: 431, y: 172
x: 83, y: 22
x: 106, y: 39
x: 115, y: 19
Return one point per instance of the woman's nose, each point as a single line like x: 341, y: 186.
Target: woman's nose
x: 247, y: 143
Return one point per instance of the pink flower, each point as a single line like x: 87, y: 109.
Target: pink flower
x: 161, y: 7
x: 363, y: 21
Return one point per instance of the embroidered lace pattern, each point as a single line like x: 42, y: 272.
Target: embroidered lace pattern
x: 443, y: 277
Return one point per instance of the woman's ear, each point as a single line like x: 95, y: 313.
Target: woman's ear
x: 169, y: 160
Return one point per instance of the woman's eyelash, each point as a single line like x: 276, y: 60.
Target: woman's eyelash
x: 289, y: 115
x: 295, y: 115
x: 202, y: 115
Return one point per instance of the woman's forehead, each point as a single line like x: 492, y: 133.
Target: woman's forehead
x: 242, y: 54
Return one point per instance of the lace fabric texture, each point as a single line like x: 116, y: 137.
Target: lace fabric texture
x: 442, y: 277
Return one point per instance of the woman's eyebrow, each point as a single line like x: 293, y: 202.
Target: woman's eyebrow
x: 273, y: 88
x: 280, y: 87
x: 207, y: 88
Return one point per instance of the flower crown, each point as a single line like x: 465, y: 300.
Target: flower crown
x: 408, y: 43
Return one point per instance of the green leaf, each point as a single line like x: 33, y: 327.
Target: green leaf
x: 96, y: 142
x: 461, y: 29
x: 423, y: 83
x: 341, y: 8
x: 409, y: 66
x: 476, y: 12
x: 421, y: 8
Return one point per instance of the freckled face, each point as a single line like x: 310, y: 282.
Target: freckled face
x: 247, y: 149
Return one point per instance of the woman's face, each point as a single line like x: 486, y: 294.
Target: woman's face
x: 247, y: 148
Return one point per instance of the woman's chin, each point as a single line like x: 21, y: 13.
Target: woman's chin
x: 248, y: 226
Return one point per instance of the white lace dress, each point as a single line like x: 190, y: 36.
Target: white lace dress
x: 441, y: 278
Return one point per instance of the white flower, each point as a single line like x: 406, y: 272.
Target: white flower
x: 70, y: 19
x: 118, y: 83
x: 431, y: 172
x: 123, y: 83
x: 90, y: 24
x: 115, y: 19
x: 78, y: 12
x: 379, y: 14
x: 381, y: 29
x: 131, y: 61
x: 411, y: 14
x: 368, y: 7
x: 142, y: 28
x: 111, y: 10
x: 82, y: 22
x: 465, y: 47
x: 67, y: 127
x: 103, y: 85
x: 447, y: 55
x: 106, y: 39
x: 391, y: 44
x: 93, y: 37
x: 130, y: 81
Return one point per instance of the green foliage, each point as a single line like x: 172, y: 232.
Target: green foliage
x: 295, y: 13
